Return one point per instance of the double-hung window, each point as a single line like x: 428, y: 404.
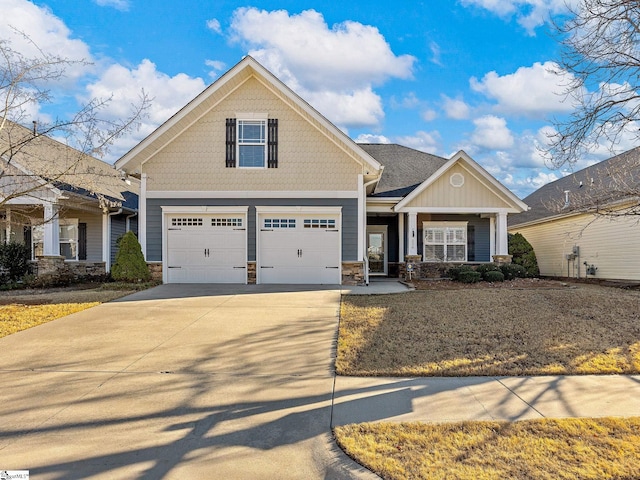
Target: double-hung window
x: 445, y: 241
x: 68, y: 239
x: 252, y: 143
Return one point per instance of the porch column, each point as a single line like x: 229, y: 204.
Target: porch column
x: 502, y: 238
x: 7, y: 228
x: 492, y: 236
x: 413, y: 233
x: 400, y: 236
x: 51, y: 240
x: 142, y: 216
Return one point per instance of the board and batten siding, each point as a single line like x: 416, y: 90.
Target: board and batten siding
x: 349, y: 220
x: 118, y: 228
x: 307, y: 159
x: 611, y: 245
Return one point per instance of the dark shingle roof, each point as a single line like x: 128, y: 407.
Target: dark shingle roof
x: 404, y: 168
x: 609, y: 181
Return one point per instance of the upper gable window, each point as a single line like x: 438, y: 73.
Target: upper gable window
x: 252, y: 142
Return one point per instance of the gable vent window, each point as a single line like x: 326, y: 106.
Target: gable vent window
x: 252, y: 143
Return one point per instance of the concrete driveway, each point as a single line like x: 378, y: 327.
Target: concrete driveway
x: 177, y: 382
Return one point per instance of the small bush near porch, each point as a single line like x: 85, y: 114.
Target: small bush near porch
x: 544, y: 328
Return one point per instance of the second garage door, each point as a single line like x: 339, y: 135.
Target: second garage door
x: 299, y: 248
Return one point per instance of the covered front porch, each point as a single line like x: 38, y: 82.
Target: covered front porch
x: 433, y: 239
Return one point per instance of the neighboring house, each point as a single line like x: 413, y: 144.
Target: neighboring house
x: 587, y: 224
x: 249, y: 184
x: 69, y: 207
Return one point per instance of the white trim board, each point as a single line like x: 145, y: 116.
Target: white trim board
x: 200, y: 194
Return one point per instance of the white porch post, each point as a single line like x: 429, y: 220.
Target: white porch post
x: 142, y: 215
x: 492, y: 236
x: 362, y: 218
x: 51, y: 240
x: 401, y: 236
x: 413, y: 233
x: 502, y: 238
x: 8, y: 225
x: 106, y: 240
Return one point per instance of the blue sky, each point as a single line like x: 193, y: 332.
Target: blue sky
x: 438, y: 75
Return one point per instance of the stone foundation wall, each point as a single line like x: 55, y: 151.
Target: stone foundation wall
x: 352, y: 273
x: 53, y: 270
x: 251, y: 273
x: 155, y: 268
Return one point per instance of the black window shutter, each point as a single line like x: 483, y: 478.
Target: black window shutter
x: 231, y: 143
x: 273, y: 143
x: 82, y: 241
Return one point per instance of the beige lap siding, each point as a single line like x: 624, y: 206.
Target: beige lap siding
x: 610, y: 245
x: 307, y: 159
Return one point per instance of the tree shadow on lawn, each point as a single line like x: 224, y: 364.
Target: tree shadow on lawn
x: 586, y: 330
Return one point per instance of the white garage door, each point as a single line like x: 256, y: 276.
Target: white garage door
x: 206, y: 248
x: 299, y: 248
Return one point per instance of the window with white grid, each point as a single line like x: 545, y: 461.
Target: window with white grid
x: 445, y: 241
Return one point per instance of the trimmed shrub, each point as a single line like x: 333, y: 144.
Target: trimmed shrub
x: 454, y: 272
x: 469, y: 276
x: 485, y: 268
x: 493, y: 276
x: 512, y: 270
x: 14, y: 261
x: 130, y: 265
x: 523, y: 254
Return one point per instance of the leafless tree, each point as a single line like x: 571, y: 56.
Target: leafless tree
x: 59, y: 151
x: 600, y: 63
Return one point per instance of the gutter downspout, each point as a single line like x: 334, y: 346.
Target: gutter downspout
x: 128, y: 221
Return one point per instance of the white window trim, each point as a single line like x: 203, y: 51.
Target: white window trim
x: 252, y: 117
x: 445, y: 225
x: 61, y: 223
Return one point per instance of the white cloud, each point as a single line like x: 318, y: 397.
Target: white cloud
x: 429, y: 115
x: 122, y: 5
x: 455, y: 108
x: 331, y: 67
x: 43, y: 31
x: 492, y: 133
x: 371, y: 138
x: 214, y: 26
x: 124, y: 86
x: 423, y: 141
x: 436, y: 53
x: 530, y: 14
x: 532, y: 91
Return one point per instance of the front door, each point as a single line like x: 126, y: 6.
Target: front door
x: 377, y: 249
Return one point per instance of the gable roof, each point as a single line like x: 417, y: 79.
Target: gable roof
x: 409, y: 166
x: 247, y: 68
x: 59, y: 167
x: 404, y: 168
x: 605, y: 183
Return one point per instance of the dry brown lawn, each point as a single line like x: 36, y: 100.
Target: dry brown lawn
x: 552, y: 328
x: 598, y: 449
x: 22, y: 309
